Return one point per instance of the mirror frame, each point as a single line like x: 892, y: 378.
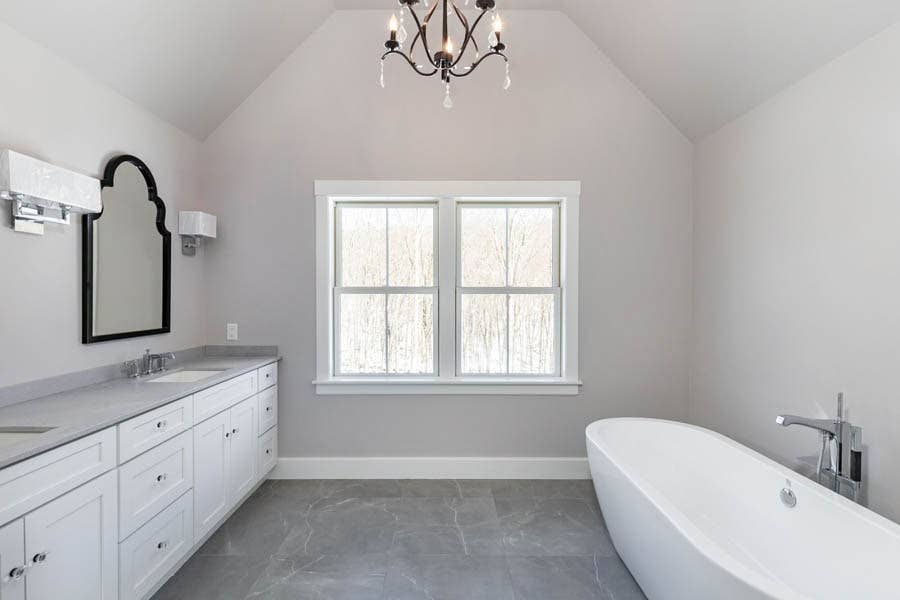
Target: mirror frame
x: 87, y: 260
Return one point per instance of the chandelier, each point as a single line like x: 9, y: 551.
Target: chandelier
x: 444, y: 61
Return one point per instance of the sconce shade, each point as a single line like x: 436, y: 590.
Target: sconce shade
x: 35, y: 182
x: 197, y: 223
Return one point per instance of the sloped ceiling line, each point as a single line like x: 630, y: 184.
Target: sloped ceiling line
x: 702, y: 62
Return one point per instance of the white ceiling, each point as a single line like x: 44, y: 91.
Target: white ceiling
x: 192, y: 62
x: 706, y: 62
x: 703, y: 62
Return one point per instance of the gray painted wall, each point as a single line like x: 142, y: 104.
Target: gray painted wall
x: 569, y: 115
x: 797, y: 264
x: 59, y: 115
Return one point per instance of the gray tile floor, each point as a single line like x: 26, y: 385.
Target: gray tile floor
x: 410, y: 540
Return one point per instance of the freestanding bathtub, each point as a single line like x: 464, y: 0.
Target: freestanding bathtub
x: 697, y: 516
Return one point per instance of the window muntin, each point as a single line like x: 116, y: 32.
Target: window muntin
x: 508, y: 291
x: 385, y: 317
x: 538, y: 349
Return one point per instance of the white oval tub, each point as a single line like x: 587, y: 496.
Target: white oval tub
x: 695, y: 515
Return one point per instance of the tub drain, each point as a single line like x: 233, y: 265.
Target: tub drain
x: 788, y: 498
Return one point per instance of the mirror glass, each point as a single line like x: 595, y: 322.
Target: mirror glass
x: 128, y: 248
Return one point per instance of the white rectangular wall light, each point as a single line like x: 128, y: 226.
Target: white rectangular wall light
x: 192, y: 225
x: 40, y: 192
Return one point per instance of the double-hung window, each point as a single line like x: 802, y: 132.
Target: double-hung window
x: 447, y: 287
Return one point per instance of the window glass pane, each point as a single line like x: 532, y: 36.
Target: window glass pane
x: 532, y: 332
x: 411, y: 333
x: 411, y: 247
x: 531, y: 247
x: 483, y: 247
x: 363, y: 246
x: 483, y: 333
x: 362, y: 333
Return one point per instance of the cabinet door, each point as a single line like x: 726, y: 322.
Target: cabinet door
x: 71, y: 544
x: 12, y: 561
x: 244, y: 425
x: 211, y: 468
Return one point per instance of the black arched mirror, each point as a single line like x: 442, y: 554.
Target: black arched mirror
x: 126, y: 258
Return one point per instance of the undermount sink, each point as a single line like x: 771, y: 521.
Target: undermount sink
x: 184, y: 376
x: 14, y: 435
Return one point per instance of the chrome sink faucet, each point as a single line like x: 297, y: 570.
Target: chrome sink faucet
x: 841, y: 449
x: 147, y: 364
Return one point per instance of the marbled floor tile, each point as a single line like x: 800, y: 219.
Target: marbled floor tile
x: 347, y: 527
x: 301, y: 489
x: 344, y: 489
x: 615, y: 579
x: 555, y: 578
x: 448, y: 578
x: 512, y: 488
x: 257, y: 528
x: 213, y: 578
x: 565, y: 489
x: 322, y: 578
x: 445, y: 488
x: 547, y: 527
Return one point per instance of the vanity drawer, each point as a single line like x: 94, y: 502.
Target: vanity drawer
x: 268, y: 409
x: 268, y: 452
x: 141, y: 433
x: 152, y: 480
x: 214, y: 400
x: 268, y: 376
x: 154, y: 549
x: 33, y: 482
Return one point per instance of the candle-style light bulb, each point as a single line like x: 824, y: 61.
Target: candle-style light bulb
x: 393, y: 26
x: 498, y: 24
x: 448, y: 47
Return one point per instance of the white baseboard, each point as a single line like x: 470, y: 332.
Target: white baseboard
x: 432, y: 468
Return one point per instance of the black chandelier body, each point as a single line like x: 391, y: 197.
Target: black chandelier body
x: 443, y: 62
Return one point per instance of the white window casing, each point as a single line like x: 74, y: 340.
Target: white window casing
x: 448, y: 198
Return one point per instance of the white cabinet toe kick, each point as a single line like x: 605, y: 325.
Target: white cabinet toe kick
x: 125, y: 507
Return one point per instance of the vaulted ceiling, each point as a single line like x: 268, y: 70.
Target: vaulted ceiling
x: 703, y: 62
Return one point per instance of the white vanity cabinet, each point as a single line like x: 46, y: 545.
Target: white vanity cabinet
x: 12, y: 561
x: 113, y: 514
x: 67, y: 548
x: 224, y: 463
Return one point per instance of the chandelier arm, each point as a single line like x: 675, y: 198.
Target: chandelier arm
x: 412, y: 64
x: 478, y: 62
x: 421, y: 25
x: 470, y: 35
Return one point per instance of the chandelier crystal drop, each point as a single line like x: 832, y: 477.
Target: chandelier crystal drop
x: 445, y: 61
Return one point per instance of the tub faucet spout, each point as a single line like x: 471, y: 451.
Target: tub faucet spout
x: 825, y: 425
x: 841, y: 449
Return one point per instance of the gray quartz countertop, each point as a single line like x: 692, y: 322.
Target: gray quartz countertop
x: 76, y: 413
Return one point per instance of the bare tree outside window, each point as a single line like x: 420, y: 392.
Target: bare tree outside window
x: 508, y: 292
x: 386, y: 290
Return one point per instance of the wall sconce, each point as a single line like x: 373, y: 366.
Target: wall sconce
x: 193, y: 225
x: 43, y: 193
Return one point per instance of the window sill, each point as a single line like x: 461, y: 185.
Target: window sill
x: 441, y: 387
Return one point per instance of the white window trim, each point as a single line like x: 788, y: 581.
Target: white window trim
x: 448, y: 194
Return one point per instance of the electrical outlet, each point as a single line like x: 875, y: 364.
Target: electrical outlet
x: 231, y: 332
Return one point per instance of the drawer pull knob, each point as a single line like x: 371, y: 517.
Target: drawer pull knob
x: 161, y: 425
x: 16, y: 573
x: 161, y: 478
x: 39, y: 558
x: 268, y: 451
x: 235, y: 430
x: 268, y: 409
x: 162, y: 545
x: 227, y: 434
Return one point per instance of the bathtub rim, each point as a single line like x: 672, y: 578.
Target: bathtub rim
x: 685, y: 527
